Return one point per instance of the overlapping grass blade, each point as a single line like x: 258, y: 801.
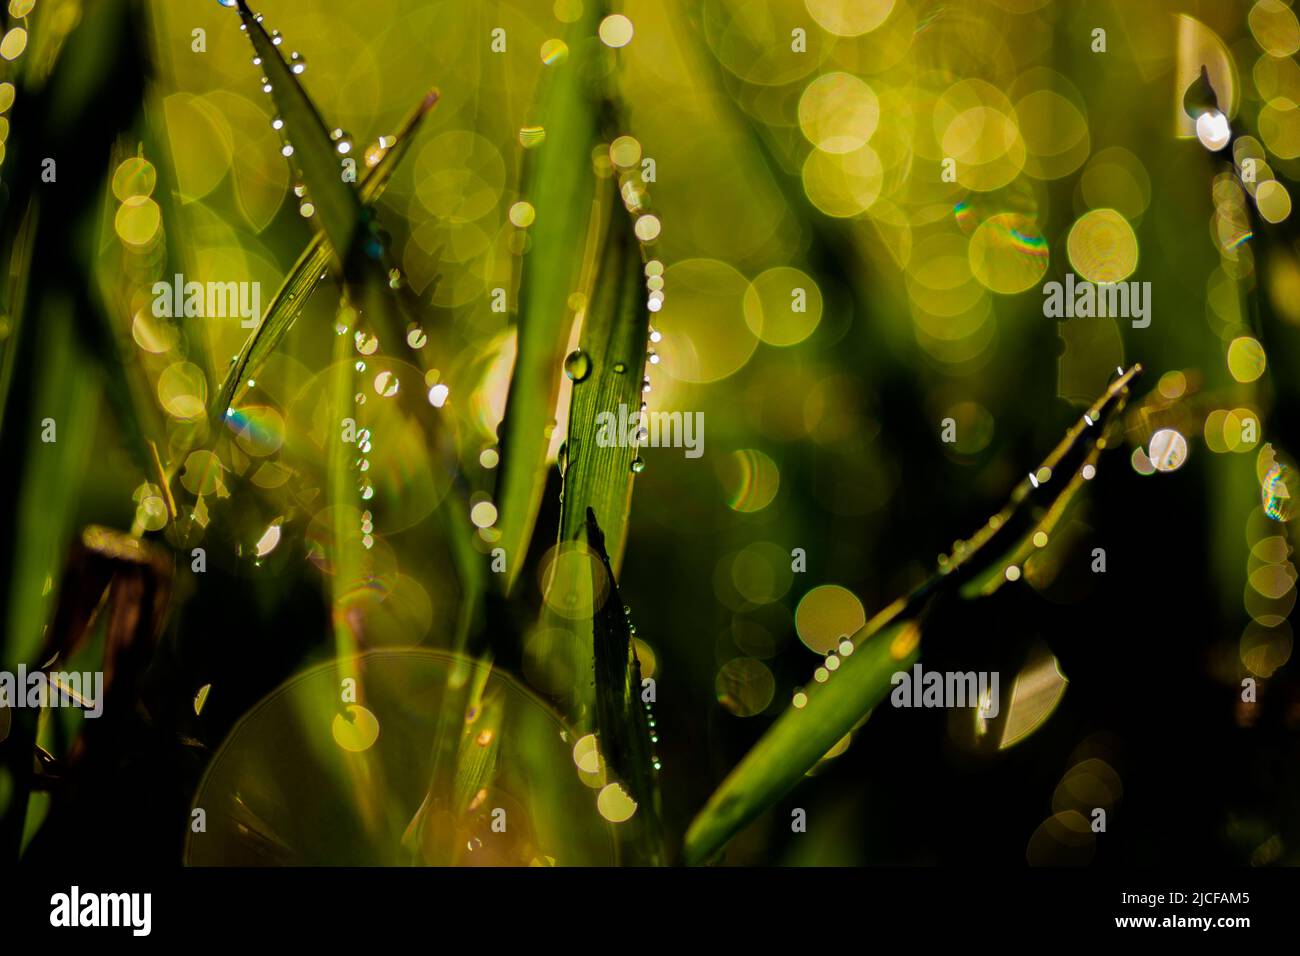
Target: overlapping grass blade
x: 559, y: 184
x: 306, y: 275
x: 889, y: 642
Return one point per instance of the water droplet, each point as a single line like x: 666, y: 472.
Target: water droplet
x: 277, y: 123
x: 367, y: 343
x: 306, y: 209
x: 577, y: 365
x: 562, y: 458
x: 360, y: 366
x: 620, y: 368
x: 296, y: 62
x: 286, y: 149
x: 394, y: 278
x: 654, y: 357
x: 257, y: 61
x: 275, y: 35
x: 638, y: 464
x: 299, y: 190
x: 342, y: 141
x: 416, y: 338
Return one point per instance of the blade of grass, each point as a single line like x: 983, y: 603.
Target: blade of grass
x: 889, y: 641
x: 622, y: 723
x: 338, y: 204
x: 559, y: 184
x: 598, y: 473
x: 306, y: 275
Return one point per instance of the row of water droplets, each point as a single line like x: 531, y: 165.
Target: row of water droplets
x: 366, y: 343
x: 578, y: 364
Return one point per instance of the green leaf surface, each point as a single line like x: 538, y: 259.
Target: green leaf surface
x: 598, y: 472
x: 558, y: 182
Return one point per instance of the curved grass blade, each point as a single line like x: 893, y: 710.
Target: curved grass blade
x: 597, y: 464
x: 338, y: 204
x: 307, y: 274
x: 890, y: 641
x: 559, y: 185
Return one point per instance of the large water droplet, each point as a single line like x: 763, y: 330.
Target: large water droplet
x: 638, y: 464
x: 577, y: 365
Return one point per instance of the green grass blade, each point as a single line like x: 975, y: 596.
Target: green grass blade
x: 338, y: 204
x: 305, y: 276
x: 597, y: 471
x: 621, y: 720
x: 890, y: 641
x: 559, y: 185
x: 801, y: 737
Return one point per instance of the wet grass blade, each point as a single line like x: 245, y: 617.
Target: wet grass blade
x: 598, y: 473
x: 801, y: 737
x: 890, y: 641
x: 306, y: 275
x: 559, y: 184
x: 621, y: 721
x: 338, y: 204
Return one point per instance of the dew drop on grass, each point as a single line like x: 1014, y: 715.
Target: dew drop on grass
x: 638, y: 464
x: 342, y: 141
x: 367, y: 343
x: 577, y: 365
x: 620, y: 368
x: 296, y: 62
x: 416, y: 338
x: 275, y: 34
x: 277, y: 123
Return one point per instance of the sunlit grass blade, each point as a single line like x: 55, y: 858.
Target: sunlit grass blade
x: 559, y: 185
x: 598, y: 461
x: 307, y: 273
x: 890, y: 641
x: 801, y: 737
x: 338, y: 204
x: 622, y: 723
